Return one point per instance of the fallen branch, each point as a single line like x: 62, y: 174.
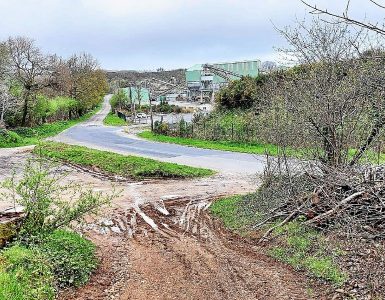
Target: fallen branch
x: 333, y: 210
x: 288, y: 218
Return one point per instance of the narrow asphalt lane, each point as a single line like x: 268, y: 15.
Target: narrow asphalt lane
x: 93, y: 134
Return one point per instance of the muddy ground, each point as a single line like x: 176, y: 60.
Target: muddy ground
x: 174, y: 250
x: 157, y: 241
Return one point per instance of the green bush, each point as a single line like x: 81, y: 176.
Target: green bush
x: 9, y: 137
x: 242, y: 93
x: 161, y: 128
x: 72, y: 257
x: 25, y: 275
x: 40, y: 191
x: 120, y: 100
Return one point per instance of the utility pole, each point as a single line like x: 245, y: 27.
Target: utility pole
x: 147, y: 86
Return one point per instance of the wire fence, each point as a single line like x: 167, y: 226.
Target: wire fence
x: 245, y: 133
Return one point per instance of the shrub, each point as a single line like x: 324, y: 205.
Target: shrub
x: 161, y: 128
x: 120, y: 100
x: 25, y: 275
x: 40, y: 192
x: 242, y: 93
x: 9, y: 137
x: 71, y: 256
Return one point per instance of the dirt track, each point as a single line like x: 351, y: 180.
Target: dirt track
x: 158, y: 242
x: 177, y: 251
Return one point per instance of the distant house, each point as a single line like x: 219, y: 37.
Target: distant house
x: 132, y: 93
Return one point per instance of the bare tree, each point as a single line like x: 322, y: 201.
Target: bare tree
x: 345, y: 16
x: 6, y: 103
x: 29, y: 67
x: 138, y: 94
x: 86, y: 78
x: 332, y: 100
x: 4, y: 61
x: 59, y: 80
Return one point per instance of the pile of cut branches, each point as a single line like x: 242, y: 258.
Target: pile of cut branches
x: 351, y: 200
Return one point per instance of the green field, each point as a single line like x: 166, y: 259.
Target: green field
x: 117, y: 164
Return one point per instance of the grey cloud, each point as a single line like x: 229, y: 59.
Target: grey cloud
x: 147, y: 34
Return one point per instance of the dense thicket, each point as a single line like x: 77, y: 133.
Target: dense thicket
x: 243, y: 93
x: 36, y: 88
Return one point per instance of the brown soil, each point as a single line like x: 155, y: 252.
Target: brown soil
x: 175, y: 250
x: 157, y: 241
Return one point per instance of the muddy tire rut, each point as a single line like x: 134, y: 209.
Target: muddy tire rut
x: 174, y: 250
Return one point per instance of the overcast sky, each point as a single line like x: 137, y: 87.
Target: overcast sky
x: 147, y: 34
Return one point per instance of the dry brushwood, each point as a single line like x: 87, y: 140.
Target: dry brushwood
x: 350, y: 199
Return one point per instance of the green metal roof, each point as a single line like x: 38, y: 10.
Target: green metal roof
x: 197, y: 67
x: 244, y: 68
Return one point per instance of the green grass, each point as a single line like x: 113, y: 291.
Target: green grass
x: 252, y: 148
x: 31, y: 136
x: 226, y: 209
x: 117, y: 164
x: 25, y: 275
x: 305, y: 249
x: 61, y: 259
x: 301, y: 247
x: 113, y: 120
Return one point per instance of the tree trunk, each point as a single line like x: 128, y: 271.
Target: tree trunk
x: 375, y: 131
x: 25, y: 112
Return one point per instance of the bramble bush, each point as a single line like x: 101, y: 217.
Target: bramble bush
x: 71, y: 256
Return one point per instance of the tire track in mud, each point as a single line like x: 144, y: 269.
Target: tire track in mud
x: 173, y: 249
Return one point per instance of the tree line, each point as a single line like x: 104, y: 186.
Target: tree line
x: 37, y: 88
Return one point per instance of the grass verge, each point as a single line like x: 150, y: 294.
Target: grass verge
x: 252, y: 148
x: 117, y: 164
x: 113, y: 120
x: 25, y: 274
x: 63, y: 259
x: 299, y: 246
x: 25, y: 136
x: 226, y: 209
x: 305, y: 249
x: 216, y: 145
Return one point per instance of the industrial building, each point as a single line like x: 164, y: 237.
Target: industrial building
x: 203, y: 80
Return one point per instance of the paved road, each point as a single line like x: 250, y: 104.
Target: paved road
x: 93, y: 134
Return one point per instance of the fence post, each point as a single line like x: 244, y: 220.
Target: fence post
x: 232, y: 131
x: 204, y: 130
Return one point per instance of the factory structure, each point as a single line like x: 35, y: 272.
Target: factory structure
x: 204, y: 80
